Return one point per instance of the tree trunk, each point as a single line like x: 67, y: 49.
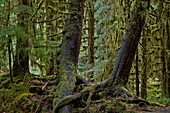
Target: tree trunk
x: 168, y: 48
x: 144, y: 71
x: 91, y: 33
x: 164, y: 77
x: 127, y: 51
x: 9, y: 44
x: 70, y: 53
x: 121, y: 71
x: 137, y: 74
x: 21, y: 60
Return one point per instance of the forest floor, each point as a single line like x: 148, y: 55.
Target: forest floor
x: 27, y: 95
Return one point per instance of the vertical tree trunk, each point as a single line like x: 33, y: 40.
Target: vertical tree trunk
x: 69, y: 53
x: 137, y: 74
x: 168, y: 48
x: 91, y: 33
x: 164, y: 77
x: 121, y: 70
x: 9, y: 44
x: 21, y: 60
x: 144, y: 71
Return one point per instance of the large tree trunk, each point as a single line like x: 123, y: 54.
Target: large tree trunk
x: 127, y: 51
x: 70, y: 52
x: 120, y: 74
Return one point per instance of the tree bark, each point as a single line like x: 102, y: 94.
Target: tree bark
x: 120, y: 74
x: 164, y: 77
x: 9, y: 44
x: 91, y: 34
x: 137, y: 74
x: 121, y: 70
x: 70, y: 52
x: 144, y: 70
x: 168, y: 48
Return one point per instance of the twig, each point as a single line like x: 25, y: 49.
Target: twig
x: 39, y: 5
x: 40, y: 104
x: 48, y: 20
x: 47, y: 83
x: 142, y: 46
x: 157, y: 16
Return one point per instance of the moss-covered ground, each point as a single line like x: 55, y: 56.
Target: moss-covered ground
x: 33, y: 94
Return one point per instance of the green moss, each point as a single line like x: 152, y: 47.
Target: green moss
x: 4, y: 74
x: 157, y: 104
x: 67, y: 82
x: 23, y: 97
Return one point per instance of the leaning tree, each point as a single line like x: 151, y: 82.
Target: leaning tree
x: 68, y: 78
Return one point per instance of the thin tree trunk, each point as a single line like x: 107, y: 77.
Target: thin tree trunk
x: 10, y: 60
x: 137, y: 74
x: 144, y: 71
x: 91, y: 34
x: 9, y: 44
x: 168, y: 48
x: 164, y: 78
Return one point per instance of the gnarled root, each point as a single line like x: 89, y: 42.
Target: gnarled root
x: 72, y: 98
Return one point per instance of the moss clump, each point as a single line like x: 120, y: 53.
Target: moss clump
x: 110, y: 107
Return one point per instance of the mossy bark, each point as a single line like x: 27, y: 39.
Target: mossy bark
x: 121, y: 71
x: 69, y: 54
x: 127, y: 51
x: 137, y: 74
x: 164, y: 76
x: 144, y: 71
x: 168, y: 48
x: 91, y: 33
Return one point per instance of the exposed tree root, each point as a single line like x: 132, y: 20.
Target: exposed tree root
x: 136, y: 101
x: 90, y: 91
x: 71, y: 98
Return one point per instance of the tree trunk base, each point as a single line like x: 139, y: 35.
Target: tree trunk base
x: 83, y: 99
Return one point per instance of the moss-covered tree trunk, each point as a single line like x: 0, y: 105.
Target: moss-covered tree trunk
x: 121, y: 71
x: 91, y: 33
x: 164, y: 77
x: 144, y: 70
x: 168, y: 48
x: 137, y: 74
x: 69, y: 53
x: 21, y: 60
x: 127, y: 51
